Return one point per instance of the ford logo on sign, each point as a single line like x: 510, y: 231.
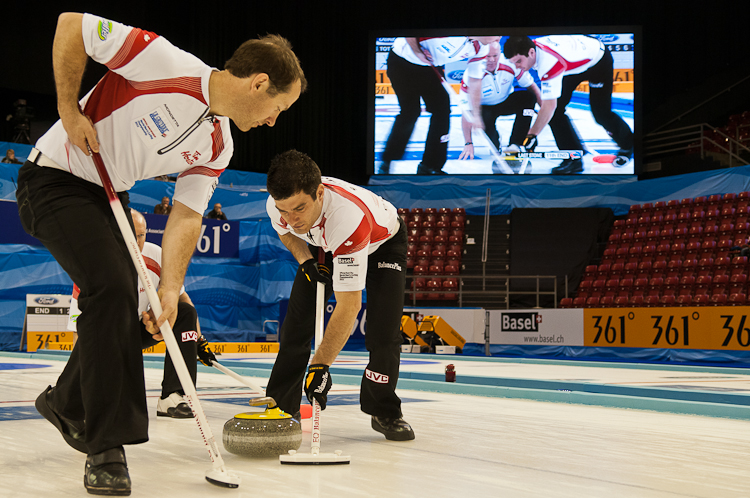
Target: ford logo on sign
x: 456, y: 75
x: 45, y: 300
x: 607, y: 38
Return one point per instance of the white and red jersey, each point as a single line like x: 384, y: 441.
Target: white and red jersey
x: 497, y: 82
x: 152, y: 257
x: 353, y: 224
x: 558, y: 55
x: 151, y: 114
x: 442, y: 50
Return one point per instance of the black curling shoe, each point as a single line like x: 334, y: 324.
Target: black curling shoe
x: 73, y: 431
x: 107, y: 473
x: 394, y: 429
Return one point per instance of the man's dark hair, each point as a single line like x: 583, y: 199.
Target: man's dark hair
x: 517, y: 45
x: 271, y: 54
x: 292, y: 172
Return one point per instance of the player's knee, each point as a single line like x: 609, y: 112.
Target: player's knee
x: 409, y: 117
x: 186, y: 314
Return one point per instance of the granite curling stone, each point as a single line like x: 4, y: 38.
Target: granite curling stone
x: 269, y: 433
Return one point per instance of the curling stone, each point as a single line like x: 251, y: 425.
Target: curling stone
x: 270, y: 433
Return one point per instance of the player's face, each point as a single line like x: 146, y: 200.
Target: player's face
x: 263, y: 109
x: 301, y: 211
x: 140, y: 231
x: 492, y: 57
x: 524, y: 62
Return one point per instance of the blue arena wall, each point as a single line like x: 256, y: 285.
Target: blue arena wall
x: 235, y: 296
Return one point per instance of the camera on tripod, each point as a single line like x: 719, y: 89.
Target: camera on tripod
x: 21, y: 119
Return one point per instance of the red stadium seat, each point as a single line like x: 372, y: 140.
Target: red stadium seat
x: 451, y: 270
x: 667, y: 300
x: 566, y: 302
x: 579, y: 302
x: 718, y: 300
x: 450, y: 285
x: 701, y: 300
x: 684, y: 300
x: 622, y: 301
x: 737, y: 299
x: 434, y: 286
x: 651, y: 301
x: 592, y: 302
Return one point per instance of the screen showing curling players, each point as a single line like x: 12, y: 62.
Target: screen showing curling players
x: 590, y: 81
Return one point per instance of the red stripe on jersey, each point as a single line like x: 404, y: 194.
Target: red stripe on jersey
x: 113, y: 92
x: 136, y: 41
x: 76, y: 291
x: 477, y: 46
x: 503, y: 67
x: 464, y: 87
x: 218, y: 141
x: 476, y: 59
x: 562, y: 63
x: 202, y: 170
x: 375, y: 232
x: 357, y: 241
x: 152, y: 265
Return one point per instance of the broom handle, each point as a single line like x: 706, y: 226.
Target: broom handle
x: 319, y: 307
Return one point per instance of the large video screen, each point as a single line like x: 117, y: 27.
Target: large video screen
x: 522, y: 101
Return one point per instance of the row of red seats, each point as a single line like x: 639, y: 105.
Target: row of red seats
x: 666, y: 251
x: 437, y: 288
x: 673, y: 267
x: 689, y: 284
x: 431, y: 210
x: 680, y: 236
x: 685, y: 220
x: 652, y: 301
x: 735, y: 221
x: 438, y: 235
x: 737, y: 200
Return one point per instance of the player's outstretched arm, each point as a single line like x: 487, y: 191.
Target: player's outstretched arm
x: 547, y: 109
x: 339, y: 327
x: 178, y: 244
x: 468, y: 152
x: 68, y: 62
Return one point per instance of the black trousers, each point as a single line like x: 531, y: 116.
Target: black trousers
x: 385, y: 304
x: 599, y: 77
x: 516, y: 103
x: 103, y: 379
x: 185, y: 331
x: 412, y: 82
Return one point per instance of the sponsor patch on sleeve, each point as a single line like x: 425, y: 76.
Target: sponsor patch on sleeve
x: 103, y: 29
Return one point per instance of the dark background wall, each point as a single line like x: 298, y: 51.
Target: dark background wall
x: 686, y: 44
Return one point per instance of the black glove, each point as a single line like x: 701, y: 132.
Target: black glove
x: 316, y: 272
x: 205, y: 355
x: 530, y: 143
x: 317, y: 384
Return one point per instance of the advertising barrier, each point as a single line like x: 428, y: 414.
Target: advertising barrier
x: 713, y: 327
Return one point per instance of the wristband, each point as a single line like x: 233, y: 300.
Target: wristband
x: 468, y: 143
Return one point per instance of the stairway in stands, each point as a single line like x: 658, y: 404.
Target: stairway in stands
x: 498, y: 260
